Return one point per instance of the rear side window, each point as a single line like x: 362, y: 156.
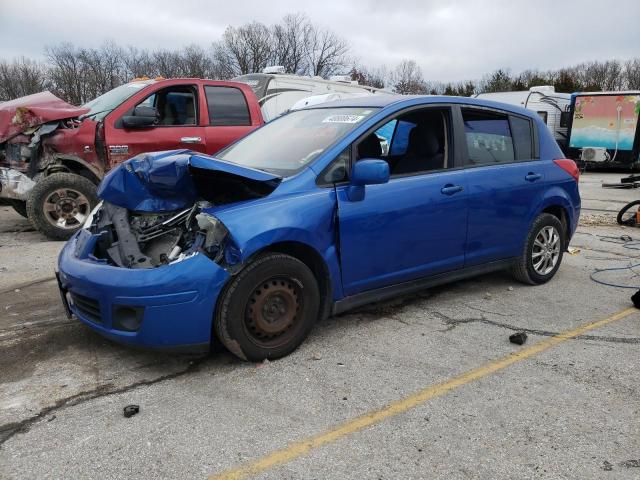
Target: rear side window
x: 521, y: 130
x: 227, y: 106
x: 488, y: 137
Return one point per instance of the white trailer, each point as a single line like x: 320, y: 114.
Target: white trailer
x: 278, y: 92
x: 553, y: 107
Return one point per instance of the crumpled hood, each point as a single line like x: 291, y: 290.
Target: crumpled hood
x: 23, y: 113
x: 176, y: 179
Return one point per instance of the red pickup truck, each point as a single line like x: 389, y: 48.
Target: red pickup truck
x: 53, y: 155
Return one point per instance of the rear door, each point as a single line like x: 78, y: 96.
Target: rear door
x: 178, y: 125
x: 229, y: 116
x: 504, y: 178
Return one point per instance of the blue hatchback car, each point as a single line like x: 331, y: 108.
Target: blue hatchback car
x: 315, y: 213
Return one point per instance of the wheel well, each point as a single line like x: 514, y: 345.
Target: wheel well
x: 561, y: 214
x: 312, y: 259
x: 71, y: 166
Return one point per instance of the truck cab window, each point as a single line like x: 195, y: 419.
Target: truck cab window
x: 175, y: 105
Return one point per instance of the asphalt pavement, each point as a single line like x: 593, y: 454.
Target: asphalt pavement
x: 421, y: 387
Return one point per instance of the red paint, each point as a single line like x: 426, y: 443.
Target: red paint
x: 20, y: 114
x: 80, y: 142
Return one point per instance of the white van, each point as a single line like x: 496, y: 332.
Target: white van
x: 553, y: 107
x: 278, y: 92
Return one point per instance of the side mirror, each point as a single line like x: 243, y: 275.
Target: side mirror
x: 369, y: 171
x: 143, y: 116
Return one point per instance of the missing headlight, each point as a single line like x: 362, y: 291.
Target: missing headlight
x: 215, y: 234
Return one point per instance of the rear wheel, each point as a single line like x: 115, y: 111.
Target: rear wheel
x: 268, y: 308
x: 59, y: 204
x: 543, y: 251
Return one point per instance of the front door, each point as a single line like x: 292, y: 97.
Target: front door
x: 178, y: 126
x: 415, y: 225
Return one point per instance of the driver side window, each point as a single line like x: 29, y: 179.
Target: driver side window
x: 176, y: 106
x: 412, y: 143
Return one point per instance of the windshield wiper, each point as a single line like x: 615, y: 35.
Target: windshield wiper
x: 87, y: 115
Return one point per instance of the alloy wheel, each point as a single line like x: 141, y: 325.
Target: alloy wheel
x: 546, y: 250
x: 66, y: 208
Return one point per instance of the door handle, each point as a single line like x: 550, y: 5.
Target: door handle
x: 450, y: 189
x: 191, y: 139
x: 532, y: 177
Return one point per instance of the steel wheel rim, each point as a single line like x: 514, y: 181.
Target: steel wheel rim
x: 273, y: 311
x: 546, y: 250
x: 66, y: 208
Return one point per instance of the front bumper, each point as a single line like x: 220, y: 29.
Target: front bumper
x: 14, y: 185
x: 176, y: 302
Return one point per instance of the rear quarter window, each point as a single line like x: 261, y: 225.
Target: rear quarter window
x: 522, y: 138
x: 227, y: 106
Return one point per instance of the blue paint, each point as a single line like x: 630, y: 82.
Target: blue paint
x: 404, y: 229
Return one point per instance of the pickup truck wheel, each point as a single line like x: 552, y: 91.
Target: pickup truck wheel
x: 59, y: 204
x: 268, y: 309
x: 20, y: 207
x: 543, y: 251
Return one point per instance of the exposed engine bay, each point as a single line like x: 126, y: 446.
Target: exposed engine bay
x: 148, y: 240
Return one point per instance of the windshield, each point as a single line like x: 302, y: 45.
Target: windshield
x: 291, y: 142
x: 108, y: 101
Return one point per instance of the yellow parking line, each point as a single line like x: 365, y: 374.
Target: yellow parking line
x: 297, y: 449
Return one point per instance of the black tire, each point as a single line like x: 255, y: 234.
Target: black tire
x: 273, y: 285
x: 20, y: 207
x: 629, y: 221
x: 46, y: 189
x: 523, y: 270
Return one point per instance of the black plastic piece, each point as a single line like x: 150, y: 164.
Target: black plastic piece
x: 131, y: 410
x: 635, y: 298
x: 518, y: 338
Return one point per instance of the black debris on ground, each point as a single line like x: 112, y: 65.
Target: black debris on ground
x: 131, y: 410
x: 518, y: 338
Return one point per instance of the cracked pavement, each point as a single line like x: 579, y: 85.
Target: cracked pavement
x: 571, y: 412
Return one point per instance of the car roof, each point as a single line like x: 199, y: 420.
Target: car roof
x: 400, y: 101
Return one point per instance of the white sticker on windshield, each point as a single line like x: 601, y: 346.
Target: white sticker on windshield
x: 343, y: 119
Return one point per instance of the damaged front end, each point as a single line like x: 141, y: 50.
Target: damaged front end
x: 147, y: 240
x: 26, y: 124
x: 159, y: 208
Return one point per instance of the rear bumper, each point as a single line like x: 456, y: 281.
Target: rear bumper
x: 14, y: 185
x: 175, y: 302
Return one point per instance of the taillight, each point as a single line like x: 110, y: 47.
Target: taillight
x: 569, y: 166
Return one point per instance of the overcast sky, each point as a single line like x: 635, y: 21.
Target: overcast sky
x: 450, y: 40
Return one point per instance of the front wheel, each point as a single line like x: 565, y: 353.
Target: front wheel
x: 268, y: 309
x: 543, y: 251
x: 59, y: 204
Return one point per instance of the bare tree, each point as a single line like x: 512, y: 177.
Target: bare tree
x: 377, y: 77
x: 407, y: 79
x: 602, y: 75
x: 21, y: 77
x: 242, y: 50
x: 632, y: 74
x: 498, y: 81
x: 326, y: 52
x: 288, y: 43
x: 66, y: 72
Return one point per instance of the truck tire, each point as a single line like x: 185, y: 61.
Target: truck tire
x: 267, y: 309
x: 543, y: 250
x: 20, y: 206
x: 59, y: 204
